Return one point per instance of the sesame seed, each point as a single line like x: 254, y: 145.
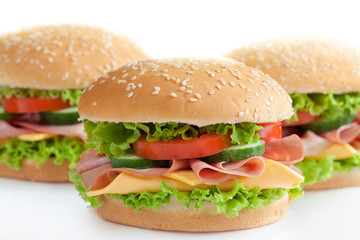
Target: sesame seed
x: 155, y: 93
x: 257, y: 109
x: 218, y: 86
x: 198, y: 95
x: 51, y: 60
x: 246, y: 111
x: 182, y: 88
x: 94, y: 103
x: 124, y: 75
x: 211, y: 92
x: 250, y: 80
x: 256, y: 94
x: 242, y: 85
x: 241, y: 114
x: 130, y: 94
x: 183, y: 83
x: 91, y: 86
x: 232, y: 84
x: 157, y: 89
x: 121, y: 81
x: 247, y: 100
x: 188, y: 91
x: 133, y: 78
x: 173, y: 94
x: 271, y: 98
x: 102, y: 81
x: 267, y: 103
x: 18, y: 60
x: 193, y: 99
x: 222, y: 81
x: 139, y: 85
x: 248, y: 90
x: 190, y: 72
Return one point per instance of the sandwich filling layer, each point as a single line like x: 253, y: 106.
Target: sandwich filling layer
x: 40, y: 125
x: 330, y: 131
x: 140, y: 162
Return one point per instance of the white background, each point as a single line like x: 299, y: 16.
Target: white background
x: 179, y: 28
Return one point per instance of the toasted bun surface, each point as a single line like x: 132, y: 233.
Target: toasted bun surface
x: 305, y: 65
x: 48, y: 171
x: 64, y: 56
x: 195, y: 91
x: 176, y: 217
x: 339, y: 180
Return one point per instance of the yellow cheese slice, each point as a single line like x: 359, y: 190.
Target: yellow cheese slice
x: 185, y: 176
x: 275, y: 175
x: 35, y: 136
x: 340, y: 151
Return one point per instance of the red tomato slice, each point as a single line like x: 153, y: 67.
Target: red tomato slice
x: 30, y: 105
x: 304, y: 117
x: 205, y: 145
x: 270, y: 131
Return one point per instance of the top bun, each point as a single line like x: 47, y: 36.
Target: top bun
x: 194, y: 91
x: 65, y: 56
x: 306, y: 65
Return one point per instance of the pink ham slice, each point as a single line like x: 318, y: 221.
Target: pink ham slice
x: 220, y: 172
x: 96, y: 172
x: 344, y: 134
x: 288, y: 150
x: 313, y: 143
x: 75, y: 130
x: 8, y: 131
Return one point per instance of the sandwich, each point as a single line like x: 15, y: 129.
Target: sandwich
x: 187, y: 144
x: 323, y: 80
x: 43, y: 71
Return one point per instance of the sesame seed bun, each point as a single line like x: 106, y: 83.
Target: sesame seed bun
x: 47, y: 172
x: 338, y: 180
x: 176, y: 217
x: 305, y: 65
x: 194, y: 91
x: 64, y: 56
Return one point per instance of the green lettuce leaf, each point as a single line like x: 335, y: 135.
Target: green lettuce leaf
x: 229, y: 203
x: 319, y: 170
x: 13, y: 150
x: 241, y: 133
x: 326, y: 105
x: 67, y: 95
x: 79, y: 186
x: 115, y: 139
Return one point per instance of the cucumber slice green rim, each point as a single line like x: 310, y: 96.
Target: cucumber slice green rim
x: 66, y: 116
x: 132, y: 161
x: 325, y: 125
x: 237, y: 152
x: 5, y: 115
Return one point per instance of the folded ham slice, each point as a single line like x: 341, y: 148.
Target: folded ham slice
x: 344, y: 134
x: 220, y: 172
x: 96, y: 172
x: 8, y: 131
x: 74, y: 130
x: 313, y: 143
x: 288, y: 150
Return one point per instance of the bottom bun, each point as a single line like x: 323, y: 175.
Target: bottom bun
x: 176, y: 217
x: 338, y: 180
x: 48, y: 171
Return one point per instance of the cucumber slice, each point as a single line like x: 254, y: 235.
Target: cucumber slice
x: 133, y: 161
x: 5, y: 115
x: 237, y: 152
x: 325, y: 125
x: 62, y: 117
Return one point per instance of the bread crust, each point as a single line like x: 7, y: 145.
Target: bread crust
x: 187, y: 90
x: 305, y: 65
x: 176, y: 217
x: 62, y: 56
x: 339, y: 180
x: 47, y: 172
